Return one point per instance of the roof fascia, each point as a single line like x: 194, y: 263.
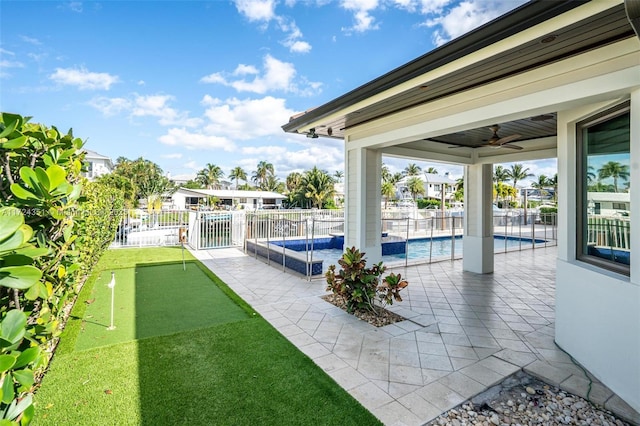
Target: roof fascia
x: 530, y: 21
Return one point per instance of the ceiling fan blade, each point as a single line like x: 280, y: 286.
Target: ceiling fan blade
x: 506, y: 139
x: 511, y: 146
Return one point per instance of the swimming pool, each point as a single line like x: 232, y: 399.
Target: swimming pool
x: 424, y: 248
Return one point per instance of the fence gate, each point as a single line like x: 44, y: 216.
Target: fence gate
x: 216, y: 229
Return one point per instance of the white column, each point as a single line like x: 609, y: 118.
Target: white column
x: 634, y: 178
x: 478, y: 219
x: 362, y: 202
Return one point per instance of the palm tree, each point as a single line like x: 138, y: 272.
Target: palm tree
x: 542, y: 184
x: 500, y: 174
x: 459, y: 186
x: 238, y: 173
x: 388, y: 190
x: 416, y: 186
x: 210, y: 176
x: 273, y: 184
x: 518, y: 173
x: 614, y: 170
x: 293, y: 181
x: 412, y: 169
x: 317, y: 186
x: 395, y: 178
x: 263, y: 170
x: 432, y: 170
x: 386, y: 173
x: 338, y: 175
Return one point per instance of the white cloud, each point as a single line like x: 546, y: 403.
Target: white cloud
x: 146, y: 106
x: 141, y: 83
x: 30, y: 40
x: 363, y: 19
x: 172, y: 156
x: 192, y: 165
x: 110, y: 106
x: 75, y: 6
x: 286, y: 160
x: 257, y: 10
x: 6, y: 52
x: 246, y: 119
x: 276, y: 76
x: 83, y: 78
x: 5, y: 64
x: 263, y: 12
x: 466, y: 16
x: 182, y: 137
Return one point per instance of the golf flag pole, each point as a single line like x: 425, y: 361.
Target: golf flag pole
x: 112, y: 286
x: 183, y: 237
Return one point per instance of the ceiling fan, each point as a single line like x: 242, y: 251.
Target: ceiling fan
x: 496, y: 141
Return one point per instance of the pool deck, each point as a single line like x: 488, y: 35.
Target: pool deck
x: 464, y: 332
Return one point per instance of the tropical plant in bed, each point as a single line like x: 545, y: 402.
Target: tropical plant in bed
x: 363, y: 288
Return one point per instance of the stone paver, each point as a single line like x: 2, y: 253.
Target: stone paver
x: 464, y: 332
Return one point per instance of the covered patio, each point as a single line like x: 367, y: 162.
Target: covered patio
x: 464, y: 332
x: 548, y: 79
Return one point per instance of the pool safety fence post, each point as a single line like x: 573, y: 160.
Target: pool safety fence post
x: 268, y: 233
x: 431, y: 242
x: 520, y: 234
x: 453, y: 237
x: 112, y: 286
x: 533, y: 233
x: 255, y: 234
x: 306, y: 248
x: 313, y: 237
x: 406, y: 245
x: 283, y: 245
x: 506, y: 231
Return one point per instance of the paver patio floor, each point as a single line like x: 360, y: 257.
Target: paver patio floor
x: 464, y: 332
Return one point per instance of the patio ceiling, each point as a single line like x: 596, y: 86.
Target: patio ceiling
x: 607, y: 27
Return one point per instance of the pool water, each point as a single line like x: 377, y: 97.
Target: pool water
x: 420, y: 248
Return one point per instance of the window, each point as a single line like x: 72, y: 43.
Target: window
x: 619, y: 206
x: 603, y: 184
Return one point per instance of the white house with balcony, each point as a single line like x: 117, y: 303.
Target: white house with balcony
x: 97, y: 164
x: 193, y: 199
x: 556, y: 79
x: 434, y: 185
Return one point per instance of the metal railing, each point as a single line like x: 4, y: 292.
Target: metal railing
x: 142, y: 228
x: 607, y: 231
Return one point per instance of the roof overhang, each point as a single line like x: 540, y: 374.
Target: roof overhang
x: 528, y: 43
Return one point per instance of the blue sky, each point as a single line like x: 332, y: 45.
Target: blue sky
x: 193, y: 82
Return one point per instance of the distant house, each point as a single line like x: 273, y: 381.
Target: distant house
x: 609, y: 203
x: 185, y: 198
x: 433, y: 186
x: 97, y: 164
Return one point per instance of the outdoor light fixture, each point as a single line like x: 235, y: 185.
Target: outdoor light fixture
x: 312, y: 134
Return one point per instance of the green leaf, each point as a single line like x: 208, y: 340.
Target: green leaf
x: 6, y: 362
x: 9, y: 129
x: 27, y: 357
x: 13, y: 326
x: 43, y: 179
x: 29, y: 177
x: 10, y: 220
x: 24, y: 377
x: 7, y: 389
x: 20, y: 277
x: 18, y: 142
x: 22, y: 193
x: 12, y: 243
x: 28, y: 413
x: 56, y: 175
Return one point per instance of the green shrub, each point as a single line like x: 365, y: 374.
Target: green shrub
x: 424, y: 203
x: 42, y: 260
x: 548, y: 215
x: 360, y: 286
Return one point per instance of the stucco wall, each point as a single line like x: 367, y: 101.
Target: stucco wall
x: 597, y: 311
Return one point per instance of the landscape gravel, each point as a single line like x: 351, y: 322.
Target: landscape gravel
x: 524, y: 400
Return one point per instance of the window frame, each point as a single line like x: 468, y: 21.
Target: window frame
x: 581, y: 190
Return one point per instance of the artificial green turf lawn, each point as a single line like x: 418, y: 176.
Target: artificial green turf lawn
x: 153, y: 301
x: 234, y: 373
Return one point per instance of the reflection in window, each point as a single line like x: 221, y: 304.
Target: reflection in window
x: 604, y: 226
